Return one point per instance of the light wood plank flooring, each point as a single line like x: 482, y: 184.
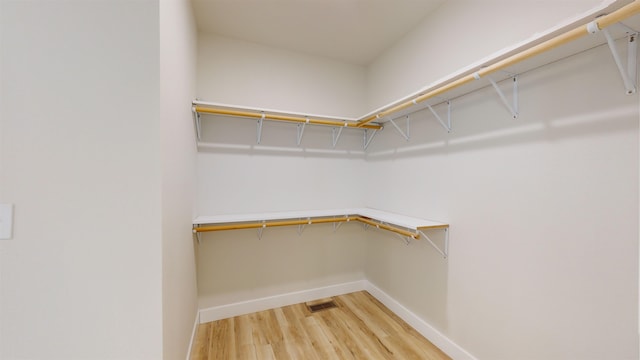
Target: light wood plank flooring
x: 360, y: 327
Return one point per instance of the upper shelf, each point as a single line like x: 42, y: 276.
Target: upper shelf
x: 576, y: 35
x: 203, y: 107
x: 284, y: 215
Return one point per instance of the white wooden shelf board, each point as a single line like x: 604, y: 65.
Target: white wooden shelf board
x: 408, y: 222
x: 269, y: 216
x: 388, y: 221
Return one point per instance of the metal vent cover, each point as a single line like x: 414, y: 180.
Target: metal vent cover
x: 322, y: 306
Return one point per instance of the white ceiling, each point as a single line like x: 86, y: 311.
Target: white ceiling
x: 353, y: 31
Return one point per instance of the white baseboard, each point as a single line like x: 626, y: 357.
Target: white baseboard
x: 272, y: 302
x: 193, y: 335
x: 432, y: 334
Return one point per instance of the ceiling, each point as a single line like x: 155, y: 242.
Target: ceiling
x: 352, y: 31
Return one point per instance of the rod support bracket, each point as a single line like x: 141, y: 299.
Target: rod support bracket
x: 593, y: 27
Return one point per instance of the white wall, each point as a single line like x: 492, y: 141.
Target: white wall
x: 243, y: 73
x: 80, y: 159
x: 235, y: 175
x: 177, y: 89
x: 543, y: 211
x: 238, y: 175
x: 236, y: 266
x: 460, y: 33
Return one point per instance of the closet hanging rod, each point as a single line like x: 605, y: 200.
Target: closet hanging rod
x: 257, y: 225
x: 571, y: 35
x: 287, y: 118
x: 389, y: 228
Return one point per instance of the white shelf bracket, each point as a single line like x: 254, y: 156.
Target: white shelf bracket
x: 404, y: 134
x: 197, y: 235
x: 260, y: 122
x: 336, y: 226
x: 264, y: 225
x: 405, y: 239
x: 629, y: 74
x: 335, y: 135
x: 447, y: 125
x: 446, y: 242
x: 368, y: 138
x: 301, y: 226
x: 301, y: 132
x: 444, y: 252
x: 196, y: 123
x: 513, y: 107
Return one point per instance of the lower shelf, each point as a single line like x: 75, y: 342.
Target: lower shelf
x: 406, y: 226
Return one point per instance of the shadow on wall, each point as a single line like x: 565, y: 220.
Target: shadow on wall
x: 509, y: 134
x: 240, y: 136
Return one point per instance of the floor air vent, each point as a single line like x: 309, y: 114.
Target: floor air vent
x: 322, y: 306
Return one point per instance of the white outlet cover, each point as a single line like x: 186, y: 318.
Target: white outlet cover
x: 6, y: 221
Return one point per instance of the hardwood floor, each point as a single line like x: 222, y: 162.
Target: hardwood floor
x: 360, y: 327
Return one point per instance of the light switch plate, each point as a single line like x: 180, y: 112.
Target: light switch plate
x: 6, y: 221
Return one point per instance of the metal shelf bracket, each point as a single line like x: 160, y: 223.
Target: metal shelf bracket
x: 260, y: 121
x: 197, y: 234
x: 301, y: 226
x: 629, y: 74
x: 405, y: 239
x: 335, y: 135
x: 264, y: 225
x: 513, y: 107
x: 196, y: 123
x: 336, y: 225
x: 444, y: 252
x: 368, y: 138
x: 404, y: 134
x: 300, y: 132
x: 447, y: 125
